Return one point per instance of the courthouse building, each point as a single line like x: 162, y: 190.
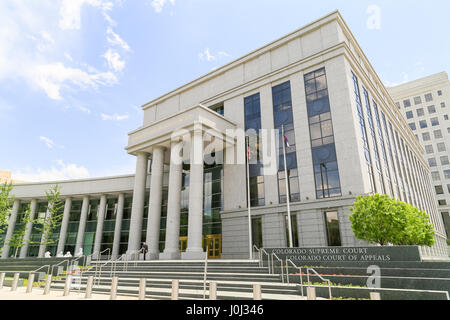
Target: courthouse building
x: 345, y: 138
x: 425, y: 104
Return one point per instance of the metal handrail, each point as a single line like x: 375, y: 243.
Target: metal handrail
x: 322, y: 278
x: 287, y: 273
x: 114, y: 265
x: 100, y: 254
x: 34, y: 271
x: 281, y: 265
x: 259, y: 254
x: 55, y: 265
x: 205, y: 273
x: 99, y: 271
x: 268, y: 258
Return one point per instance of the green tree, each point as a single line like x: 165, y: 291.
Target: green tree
x: 6, y: 204
x: 46, y: 225
x: 382, y: 220
x: 17, y: 240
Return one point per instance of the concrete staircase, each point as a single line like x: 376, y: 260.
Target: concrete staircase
x: 235, y: 279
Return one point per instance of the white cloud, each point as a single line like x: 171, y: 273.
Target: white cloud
x: 51, y: 77
x: 59, y: 172
x: 206, y: 55
x: 29, y: 52
x: 158, y: 5
x: 114, y: 117
x: 116, y: 40
x: 70, y: 12
x: 113, y: 59
x: 48, y: 142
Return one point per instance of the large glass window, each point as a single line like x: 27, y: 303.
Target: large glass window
x: 36, y: 235
x: 91, y: 227
x: 109, y: 225
x: 446, y: 220
x: 257, y: 238
x: 282, y: 114
x: 72, y: 227
x: 326, y: 171
x: 212, y: 199
x: 332, y: 228
x: 374, y: 138
x: 253, y: 127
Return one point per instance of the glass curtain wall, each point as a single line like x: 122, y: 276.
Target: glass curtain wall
x: 109, y: 225
x: 125, y: 228
x: 282, y: 115
x: 252, y: 127
x: 326, y: 171
x: 374, y: 140
x: 363, y: 132
x: 36, y: 235
x: 91, y: 226
x: 72, y: 227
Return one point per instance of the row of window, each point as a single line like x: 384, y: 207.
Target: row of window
x: 333, y: 235
x: 421, y: 113
x: 433, y: 163
x: 437, y: 177
x: 440, y: 147
x: 322, y: 141
x: 423, y: 123
x: 418, y: 100
x: 399, y: 170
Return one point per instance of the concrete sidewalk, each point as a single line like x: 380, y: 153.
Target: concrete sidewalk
x: 37, y: 294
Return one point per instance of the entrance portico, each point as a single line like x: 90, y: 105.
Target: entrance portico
x: 172, y: 141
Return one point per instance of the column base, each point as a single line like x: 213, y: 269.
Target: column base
x: 193, y: 255
x: 169, y: 256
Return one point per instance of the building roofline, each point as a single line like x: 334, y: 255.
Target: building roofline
x: 335, y: 15
x: 72, y: 180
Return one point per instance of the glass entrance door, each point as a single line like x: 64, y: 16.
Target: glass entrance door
x: 214, y: 242
x: 183, y: 244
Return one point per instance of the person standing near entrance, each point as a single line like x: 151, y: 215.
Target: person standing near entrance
x: 144, y: 249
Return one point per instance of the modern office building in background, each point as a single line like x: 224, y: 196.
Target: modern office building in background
x: 425, y: 104
x: 346, y: 138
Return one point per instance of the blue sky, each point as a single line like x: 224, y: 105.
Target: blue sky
x: 74, y: 73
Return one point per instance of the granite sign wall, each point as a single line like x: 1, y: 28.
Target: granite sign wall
x: 348, y: 254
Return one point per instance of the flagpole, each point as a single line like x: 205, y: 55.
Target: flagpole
x: 250, y: 242
x: 287, y: 189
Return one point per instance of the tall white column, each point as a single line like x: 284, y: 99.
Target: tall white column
x: 99, y: 230
x: 28, y: 228
x: 172, y: 249
x: 194, y: 248
x: 118, y: 226
x: 155, y: 202
x: 64, y: 224
x: 10, y: 231
x: 82, y: 225
x: 137, y: 209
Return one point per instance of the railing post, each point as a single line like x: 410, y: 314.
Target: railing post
x: 15, y: 281
x: 213, y: 290
x: 257, y: 292
x: 142, y: 288
x: 114, y: 284
x: 311, y: 293
x: 2, y: 279
x: 48, y: 283
x: 175, y: 289
x: 90, y: 282
x: 375, y: 296
x: 30, y: 283
x: 67, y: 285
